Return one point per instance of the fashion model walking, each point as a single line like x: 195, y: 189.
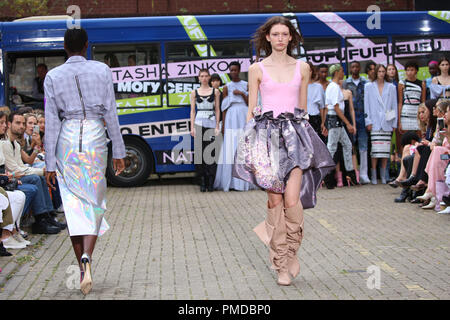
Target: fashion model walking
x: 79, y: 102
x: 279, y: 150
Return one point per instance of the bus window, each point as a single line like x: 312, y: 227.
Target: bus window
x: 135, y: 69
x: 413, y: 49
x: 366, y: 50
x: 25, y: 79
x: 184, y: 60
x: 323, y: 51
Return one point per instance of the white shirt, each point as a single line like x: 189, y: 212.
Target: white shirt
x: 13, y: 160
x: 333, y: 96
x: 356, y: 81
x: 316, y: 99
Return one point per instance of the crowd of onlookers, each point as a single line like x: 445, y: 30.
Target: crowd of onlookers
x: 25, y: 198
x: 376, y: 127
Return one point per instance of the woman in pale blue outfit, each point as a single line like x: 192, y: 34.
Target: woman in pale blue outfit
x: 234, y: 111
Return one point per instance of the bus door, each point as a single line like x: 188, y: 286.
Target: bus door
x: 183, y: 62
x: 23, y: 77
x: 136, y: 72
x: 365, y: 50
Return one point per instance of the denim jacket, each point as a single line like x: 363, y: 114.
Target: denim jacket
x: 357, y: 93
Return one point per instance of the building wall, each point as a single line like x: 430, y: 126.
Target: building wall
x: 116, y: 8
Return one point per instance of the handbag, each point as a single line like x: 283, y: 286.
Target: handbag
x: 333, y: 121
x: 8, y: 185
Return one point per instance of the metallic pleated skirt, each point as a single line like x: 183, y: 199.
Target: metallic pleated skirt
x: 271, y: 147
x: 81, y: 176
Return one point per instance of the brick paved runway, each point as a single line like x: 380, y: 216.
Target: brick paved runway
x: 169, y: 241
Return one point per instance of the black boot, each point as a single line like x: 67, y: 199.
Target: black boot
x: 415, y: 194
x: 412, y: 180
x: 330, y: 183
x: 403, y: 196
x: 42, y: 226
x: 3, y: 252
x: 52, y: 220
x: 202, y: 184
x: 352, y: 175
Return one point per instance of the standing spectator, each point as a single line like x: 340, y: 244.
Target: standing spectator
x: 334, y: 101
x: 411, y: 92
x: 235, y: 109
x: 356, y: 84
x: 433, y: 69
x: 316, y: 104
x: 370, y: 70
x: 440, y: 87
x: 205, y: 115
x: 42, y: 205
x: 38, y: 85
x: 322, y: 76
x: 392, y: 74
x: 380, y: 102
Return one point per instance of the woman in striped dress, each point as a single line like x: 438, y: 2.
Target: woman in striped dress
x: 411, y: 92
x: 380, y: 103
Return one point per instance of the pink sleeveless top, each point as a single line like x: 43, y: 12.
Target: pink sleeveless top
x: 280, y: 97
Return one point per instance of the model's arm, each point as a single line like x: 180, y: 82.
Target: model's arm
x: 111, y: 119
x: 394, y: 105
x: 401, y: 87
x: 192, y: 113
x: 305, y: 72
x: 52, y: 125
x: 352, y: 110
x: 217, y: 109
x: 424, y: 91
x: 254, y: 78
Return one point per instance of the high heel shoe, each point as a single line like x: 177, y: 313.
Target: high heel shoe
x: 431, y: 205
x: 394, y: 184
x: 426, y: 196
x: 351, y: 178
x: 86, y: 284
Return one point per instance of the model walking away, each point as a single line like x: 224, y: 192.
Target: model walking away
x: 79, y: 101
x: 279, y: 150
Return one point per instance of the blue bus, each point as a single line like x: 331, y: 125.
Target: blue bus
x: 155, y: 61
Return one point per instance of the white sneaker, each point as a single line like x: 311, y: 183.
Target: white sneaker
x: 445, y: 211
x: 11, y: 243
x: 60, y: 209
x: 20, y: 239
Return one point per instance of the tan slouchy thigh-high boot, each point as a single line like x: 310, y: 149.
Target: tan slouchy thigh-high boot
x: 294, y: 226
x: 272, y: 232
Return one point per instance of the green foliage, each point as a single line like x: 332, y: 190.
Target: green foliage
x: 24, y: 8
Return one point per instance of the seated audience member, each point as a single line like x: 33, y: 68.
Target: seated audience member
x: 426, y: 117
x: 408, y: 142
x: 42, y: 205
x: 31, y: 143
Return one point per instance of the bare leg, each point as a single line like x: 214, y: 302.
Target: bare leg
x: 77, y: 244
x: 384, y: 163
x: 402, y: 174
x: 89, y: 244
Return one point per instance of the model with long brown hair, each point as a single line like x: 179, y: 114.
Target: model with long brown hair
x: 279, y: 150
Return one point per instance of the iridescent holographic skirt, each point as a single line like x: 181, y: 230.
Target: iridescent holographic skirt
x: 271, y: 147
x: 81, y: 176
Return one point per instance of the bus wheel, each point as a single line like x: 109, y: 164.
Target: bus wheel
x: 138, y: 164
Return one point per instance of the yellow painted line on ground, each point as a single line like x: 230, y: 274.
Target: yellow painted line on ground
x: 327, y: 225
